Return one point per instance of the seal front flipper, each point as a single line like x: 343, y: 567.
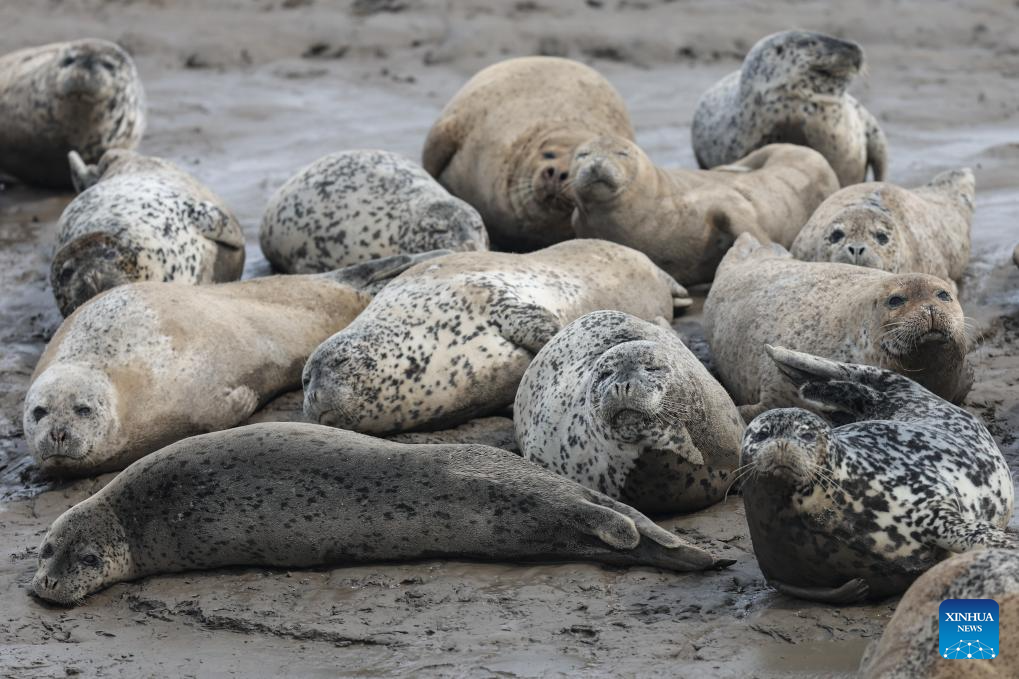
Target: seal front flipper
x: 82, y: 176
x: 368, y: 275
x: 958, y: 534
x: 528, y: 326
x: 854, y: 591
x: 235, y: 406
x: 678, y: 442
x: 216, y: 225
x: 877, y: 144
x: 441, y: 144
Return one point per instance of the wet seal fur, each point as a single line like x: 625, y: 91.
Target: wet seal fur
x: 910, y: 323
x: 292, y: 495
x: 792, y: 88
x: 140, y: 218
x: 82, y: 96
x: 505, y: 140
x: 685, y: 220
x: 449, y: 340
x: 846, y: 513
x: 922, y: 230
x: 621, y: 406
x: 147, y: 364
x: 909, y: 646
x: 354, y: 206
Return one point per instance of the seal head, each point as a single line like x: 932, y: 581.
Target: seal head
x: 89, y: 70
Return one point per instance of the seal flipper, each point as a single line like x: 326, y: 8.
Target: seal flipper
x: 609, y: 526
x: 958, y: 534
x: 235, y: 406
x: 368, y: 275
x: 216, y: 225
x: 441, y: 145
x: 82, y: 176
x: 528, y: 326
x: 877, y: 144
x: 854, y: 591
x: 677, y: 442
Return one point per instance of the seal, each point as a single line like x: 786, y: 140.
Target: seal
x: 909, y: 646
x: 910, y: 323
x: 449, y: 340
x: 147, y: 364
x: 621, y: 406
x: 846, y: 513
x: 354, y: 206
x: 792, y: 88
x: 924, y: 230
x: 293, y: 495
x: 505, y: 140
x: 685, y: 220
x: 82, y: 96
x: 139, y: 218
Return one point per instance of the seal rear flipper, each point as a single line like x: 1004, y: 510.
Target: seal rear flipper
x: 216, y: 225
x: 529, y: 326
x: 854, y: 591
x: 82, y: 176
x: 373, y: 275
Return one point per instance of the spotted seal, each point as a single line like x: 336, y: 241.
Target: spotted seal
x: 910, y: 323
x: 909, y: 648
x: 353, y: 206
x: 685, y: 220
x: 147, y: 364
x: 140, y: 218
x: 82, y: 96
x: 620, y: 405
x: 450, y: 340
x: 504, y: 143
x: 840, y: 514
x: 923, y: 230
x: 294, y: 495
x: 792, y: 88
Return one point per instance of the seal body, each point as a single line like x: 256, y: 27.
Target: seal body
x: 792, y: 88
x: 620, y: 405
x: 843, y: 513
x: 140, y: 218
x: 449, y: 340
x: 354, y: 206
x: 504, y: 143
x: 302, y: 495
x: 910, y: 323
x: 82, y: 96
x: 909, y: 646
x: 685, y: 220
x: 147, y: 364
x: 924, y: 230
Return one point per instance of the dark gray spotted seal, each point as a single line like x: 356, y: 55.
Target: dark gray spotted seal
x: 353, y: 206
x: 620, y: 405
x: 840, y: 514
x: 294, y: 495
x: 140, y: 218
x: 792, y: 88
x: 450, y: 339
x: 82, y: 96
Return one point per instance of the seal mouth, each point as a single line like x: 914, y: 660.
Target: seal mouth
x: 938, y: 336
x: 628, y: 417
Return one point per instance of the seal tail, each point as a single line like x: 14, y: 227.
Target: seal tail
x: 372, y: 276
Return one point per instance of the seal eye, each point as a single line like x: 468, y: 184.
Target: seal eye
x: 90, y: 560
x: 67, y: 61
x: 585, y: 154
x: 760, y: 434
x: 836, y: 236
x: 896, y: 301
x: 83, y: 411
x: 548, y: 155
x: 882, y: 237
x: 808, y: 436
x: 65, y: 275
x: 944, y: 296
x: 39, y: 413
x: 624, y: 154
x: 47, y: 551
x: 108, y: 65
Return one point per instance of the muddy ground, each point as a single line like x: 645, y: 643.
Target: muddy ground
x: 243, y: 93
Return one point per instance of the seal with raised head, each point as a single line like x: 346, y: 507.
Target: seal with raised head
x: 620, y: 405
x: 792, y: 88
x: 82, y: 96
x: 909, y: 647
x: 505, y: 140
x: 685, y: 220
x: 354, y: 206
x: 293, y: 495
x: 140, y: 218
x: 844, y: 513
x: 910, y: 323
x: 884, y: 226
x: 449, y: 340
x: 147, y: 364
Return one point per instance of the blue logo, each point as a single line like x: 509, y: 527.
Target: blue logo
x: 968, y: 629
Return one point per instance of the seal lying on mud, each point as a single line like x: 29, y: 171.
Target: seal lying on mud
x: 147, y: 364
x: 299, y: 495
x: 923, y: 230
x: 505, y: 140
x: 860, y: 510
x: 82, y: 96
x: 354, y: 206
x: 792, y: 88
x: 449, y: 340
x: 140, y: 218
x: 909, y: 323
x: 909, y: 647
x: 685, y: 220
x: 621, y: 406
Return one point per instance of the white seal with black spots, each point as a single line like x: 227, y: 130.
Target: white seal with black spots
x: 353, y: 206
x: 859, y: 510
x: 620, y: 405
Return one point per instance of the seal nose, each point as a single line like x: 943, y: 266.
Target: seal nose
x: 58, y: 434
x: 856, y: 250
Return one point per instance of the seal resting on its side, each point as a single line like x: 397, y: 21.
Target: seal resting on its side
x: 860, y: 510
x: 293, y: 495
x: 505, y: 140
